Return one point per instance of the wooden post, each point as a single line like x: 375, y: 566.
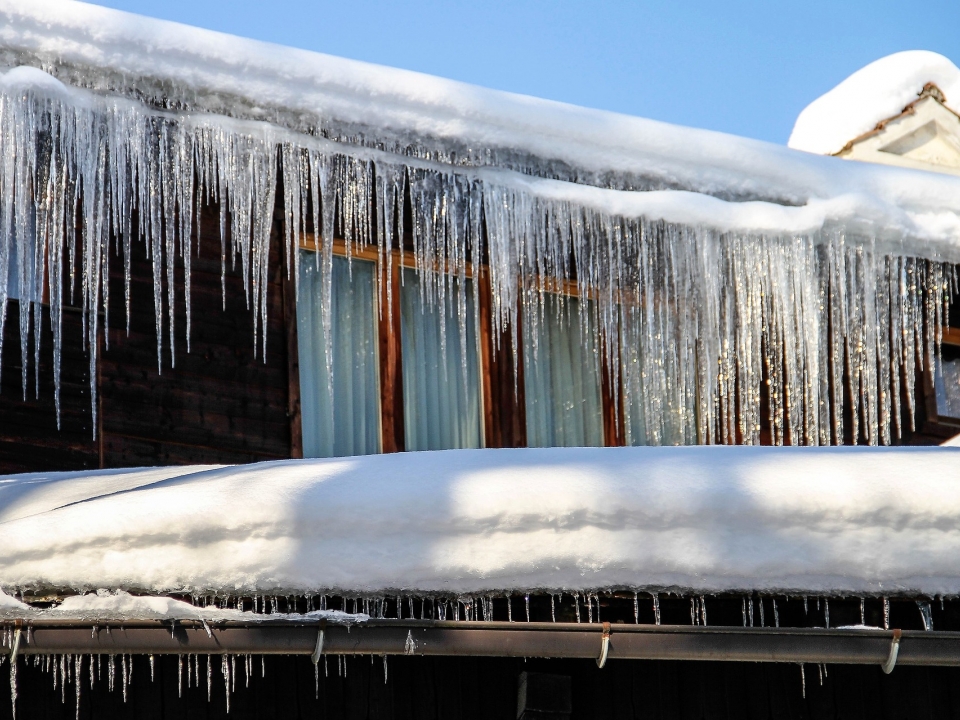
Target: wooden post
x: 391, y: 364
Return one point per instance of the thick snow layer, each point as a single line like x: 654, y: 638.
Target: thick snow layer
x: 874, y: 93
x: 705, y: 519
x: 106, y: 606
x: 221, y: 73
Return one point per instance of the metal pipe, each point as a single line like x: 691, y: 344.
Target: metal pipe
x: 495, y: 639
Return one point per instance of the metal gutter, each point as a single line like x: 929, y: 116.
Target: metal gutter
x: 498, y: 639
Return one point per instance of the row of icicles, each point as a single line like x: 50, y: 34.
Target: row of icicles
x: 192, y: 668
x: 692, y: 323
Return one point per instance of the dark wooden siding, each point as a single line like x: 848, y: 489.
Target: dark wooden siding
x: 218, y: 404
x: 486, y: 689
x: 29, y: 439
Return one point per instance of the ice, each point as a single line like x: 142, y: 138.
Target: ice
x: 822, y: 280
x: 874, y: 93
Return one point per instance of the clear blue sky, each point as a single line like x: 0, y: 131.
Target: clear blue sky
x: 746, y: 66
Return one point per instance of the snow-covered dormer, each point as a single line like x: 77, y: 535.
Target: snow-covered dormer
x: 900, y: 110
x: 925, y: 135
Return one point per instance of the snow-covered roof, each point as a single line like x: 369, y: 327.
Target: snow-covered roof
x: 874, y: 93
x: 702, y: 519
x: 191, y: 68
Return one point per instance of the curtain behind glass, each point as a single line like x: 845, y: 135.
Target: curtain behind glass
x: 561, y: 379
x: 440, y: 412
x: 346, y: 422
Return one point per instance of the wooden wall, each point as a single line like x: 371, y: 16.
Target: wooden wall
x: 218, y: 404
x: 486, y: 689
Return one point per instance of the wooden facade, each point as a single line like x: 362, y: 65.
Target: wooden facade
x: 220, y: 403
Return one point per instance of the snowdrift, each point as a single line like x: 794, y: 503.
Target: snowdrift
x: 828, y: 521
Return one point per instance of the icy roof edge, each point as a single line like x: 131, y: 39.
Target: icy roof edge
x: 431, y: 117
x: 860, y: 217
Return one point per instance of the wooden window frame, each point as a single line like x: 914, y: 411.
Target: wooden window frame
x: 937, y: 424
x: 502, y: 390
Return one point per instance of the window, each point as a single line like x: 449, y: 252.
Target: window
x: 441, y: 383
x: 946, y: 383
x: 561, y: 377
x: 340, y: 405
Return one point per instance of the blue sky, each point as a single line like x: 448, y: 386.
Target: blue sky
x: 746, y: 67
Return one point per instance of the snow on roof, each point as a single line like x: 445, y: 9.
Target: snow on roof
x: 704, y: 519
x: 192, y: 68
x: 876, y: 92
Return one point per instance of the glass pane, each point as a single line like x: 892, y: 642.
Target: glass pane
x: 561, y: 379
x: 345, y: 421
x: 441, y: 390
x: 947, y: 382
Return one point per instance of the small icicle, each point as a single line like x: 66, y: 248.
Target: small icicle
x: 509, y: 608
x: 803, y: 681
x: 225, y: 671
x: 553, y: 609
x: 776, y: 614
x: 826, y: 611
x: 820, y: 670
x: 209, y: 674
x: 636, y: 609
x: 150, y: 657
x: 925, y: 614
x: 763, y: 621
x: 806, y: 608
x: 576, y: 602
x: 750, y: 610
x: 863, y: 620
x: 526, y: 599
x: 656, y: 608
x: 743, y: 609
x: 886, y: 613
x: 693, y: 611
x: 180, y: 676
x: 384, y: 669
x: 703, y: 611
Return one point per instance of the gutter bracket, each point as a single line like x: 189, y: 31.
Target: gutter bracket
x: 318, y: 650
x: 604, y: 645
x: 891, y: 661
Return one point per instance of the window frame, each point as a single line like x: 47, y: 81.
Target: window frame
x: 501, y: 391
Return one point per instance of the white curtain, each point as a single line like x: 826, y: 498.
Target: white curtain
x: 946, y: 382
x: 340, y: 408
x: 561, y: 378
x: 441, y: 385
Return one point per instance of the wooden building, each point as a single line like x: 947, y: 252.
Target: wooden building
x: 221, y: 252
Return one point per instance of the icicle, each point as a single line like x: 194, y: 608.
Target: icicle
x: 703, y: 611
x: 826, y: 612
x: 776, y: 614
x: 384, y: 669
x: 760, y: 603
x: 750, y: 610
x: 925, y: 614
x: 180, y: 675
x: 209, y: 675
x: 820, y: 670
x: 863, y: 620
x: 656, y: 608
x: 886, y: 613
x: 803, y: 681
x: 526, y: 600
